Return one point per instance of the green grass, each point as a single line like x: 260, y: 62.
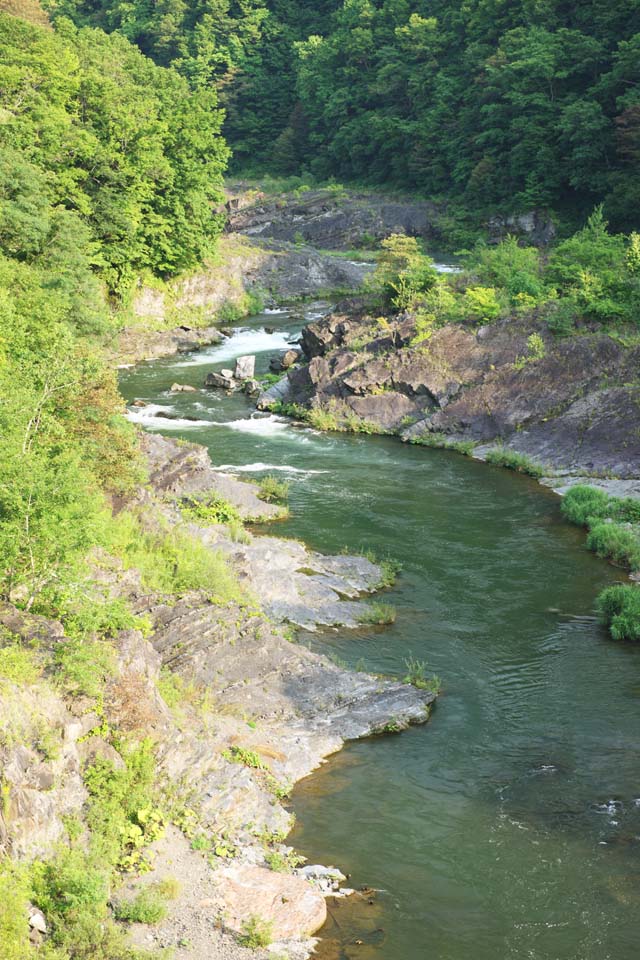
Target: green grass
x: 272, y: 489
x: 378, y: 614
x: 583, y: 505
x: 519, y: 462
x: 612, y: 541
x: 619, y: 609
x: 443, y: 441
x: 172, y: 561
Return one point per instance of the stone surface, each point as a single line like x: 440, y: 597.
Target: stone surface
x: 245, y: 368
x: 183, y: 388
x: 291, y: 905
x: 577, y: 408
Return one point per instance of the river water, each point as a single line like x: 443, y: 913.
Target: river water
x: 509, y: 826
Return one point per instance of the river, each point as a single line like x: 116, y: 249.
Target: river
x: 509, y: 826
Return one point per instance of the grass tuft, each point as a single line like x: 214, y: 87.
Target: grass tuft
x: 619, y: 609
x: 378, y: 614
x: 519, y: 462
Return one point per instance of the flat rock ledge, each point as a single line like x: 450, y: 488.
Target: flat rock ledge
x: 293, y: 584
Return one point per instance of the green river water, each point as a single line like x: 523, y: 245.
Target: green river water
x: 509, y: 826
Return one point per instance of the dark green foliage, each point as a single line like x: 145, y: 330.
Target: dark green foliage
x: 619, y: 608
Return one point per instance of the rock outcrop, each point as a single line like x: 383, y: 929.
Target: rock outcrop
x: 575, y: 408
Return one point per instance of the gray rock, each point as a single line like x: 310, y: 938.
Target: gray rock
x: 223, y: 380
x: 182, y: 388
x: 245, y: 368
x: 37, y: 920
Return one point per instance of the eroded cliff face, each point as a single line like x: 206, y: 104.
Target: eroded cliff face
x: 576, y: 408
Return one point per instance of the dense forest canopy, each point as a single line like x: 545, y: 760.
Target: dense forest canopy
x: 502, y: 103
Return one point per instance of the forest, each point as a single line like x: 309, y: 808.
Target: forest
x: 506, y: 104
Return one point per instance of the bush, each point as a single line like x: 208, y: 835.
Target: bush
x: 256, y: 933
x: 512, y: 268
x: 403, y: 273
x: 611, y: 541
x: 503, y: 457
x: 619, y: 609
x: 15, y: 893
x: 84, y: 666
x: 148, y: 906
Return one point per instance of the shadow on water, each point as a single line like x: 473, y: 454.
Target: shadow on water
x: 508, y: 826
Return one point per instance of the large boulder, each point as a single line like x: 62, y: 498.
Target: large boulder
x: 290, y: 905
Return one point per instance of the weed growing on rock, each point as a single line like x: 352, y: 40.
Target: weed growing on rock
x: 237, y: 532
x: 248, y: 758
x: 272, y: 489
x: 519, y: 462
x: 212, y: 510
x: 256, y: 933
x: 378, y: 614
x: 282, y: 862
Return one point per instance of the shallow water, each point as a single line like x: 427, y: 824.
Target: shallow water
x: 509, y: 826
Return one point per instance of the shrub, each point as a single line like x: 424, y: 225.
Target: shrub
x: 511, y: 267
x: 379, y: 614
x: 536, y: 350
x: 519, y: 462
x: 148, y: 906
x: 122, y: 813
x: 213, y: 510
x: 273, y: 489
x: 323, y: 418
x: 481, y: 305
x: 619, y: 609
x: 614, y: 542
x: 403, y: 273
x: 256, y: 933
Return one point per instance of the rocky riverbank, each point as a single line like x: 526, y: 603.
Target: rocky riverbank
x: 253, y: 712
x: 248, y: 273
x: 574, y: 410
